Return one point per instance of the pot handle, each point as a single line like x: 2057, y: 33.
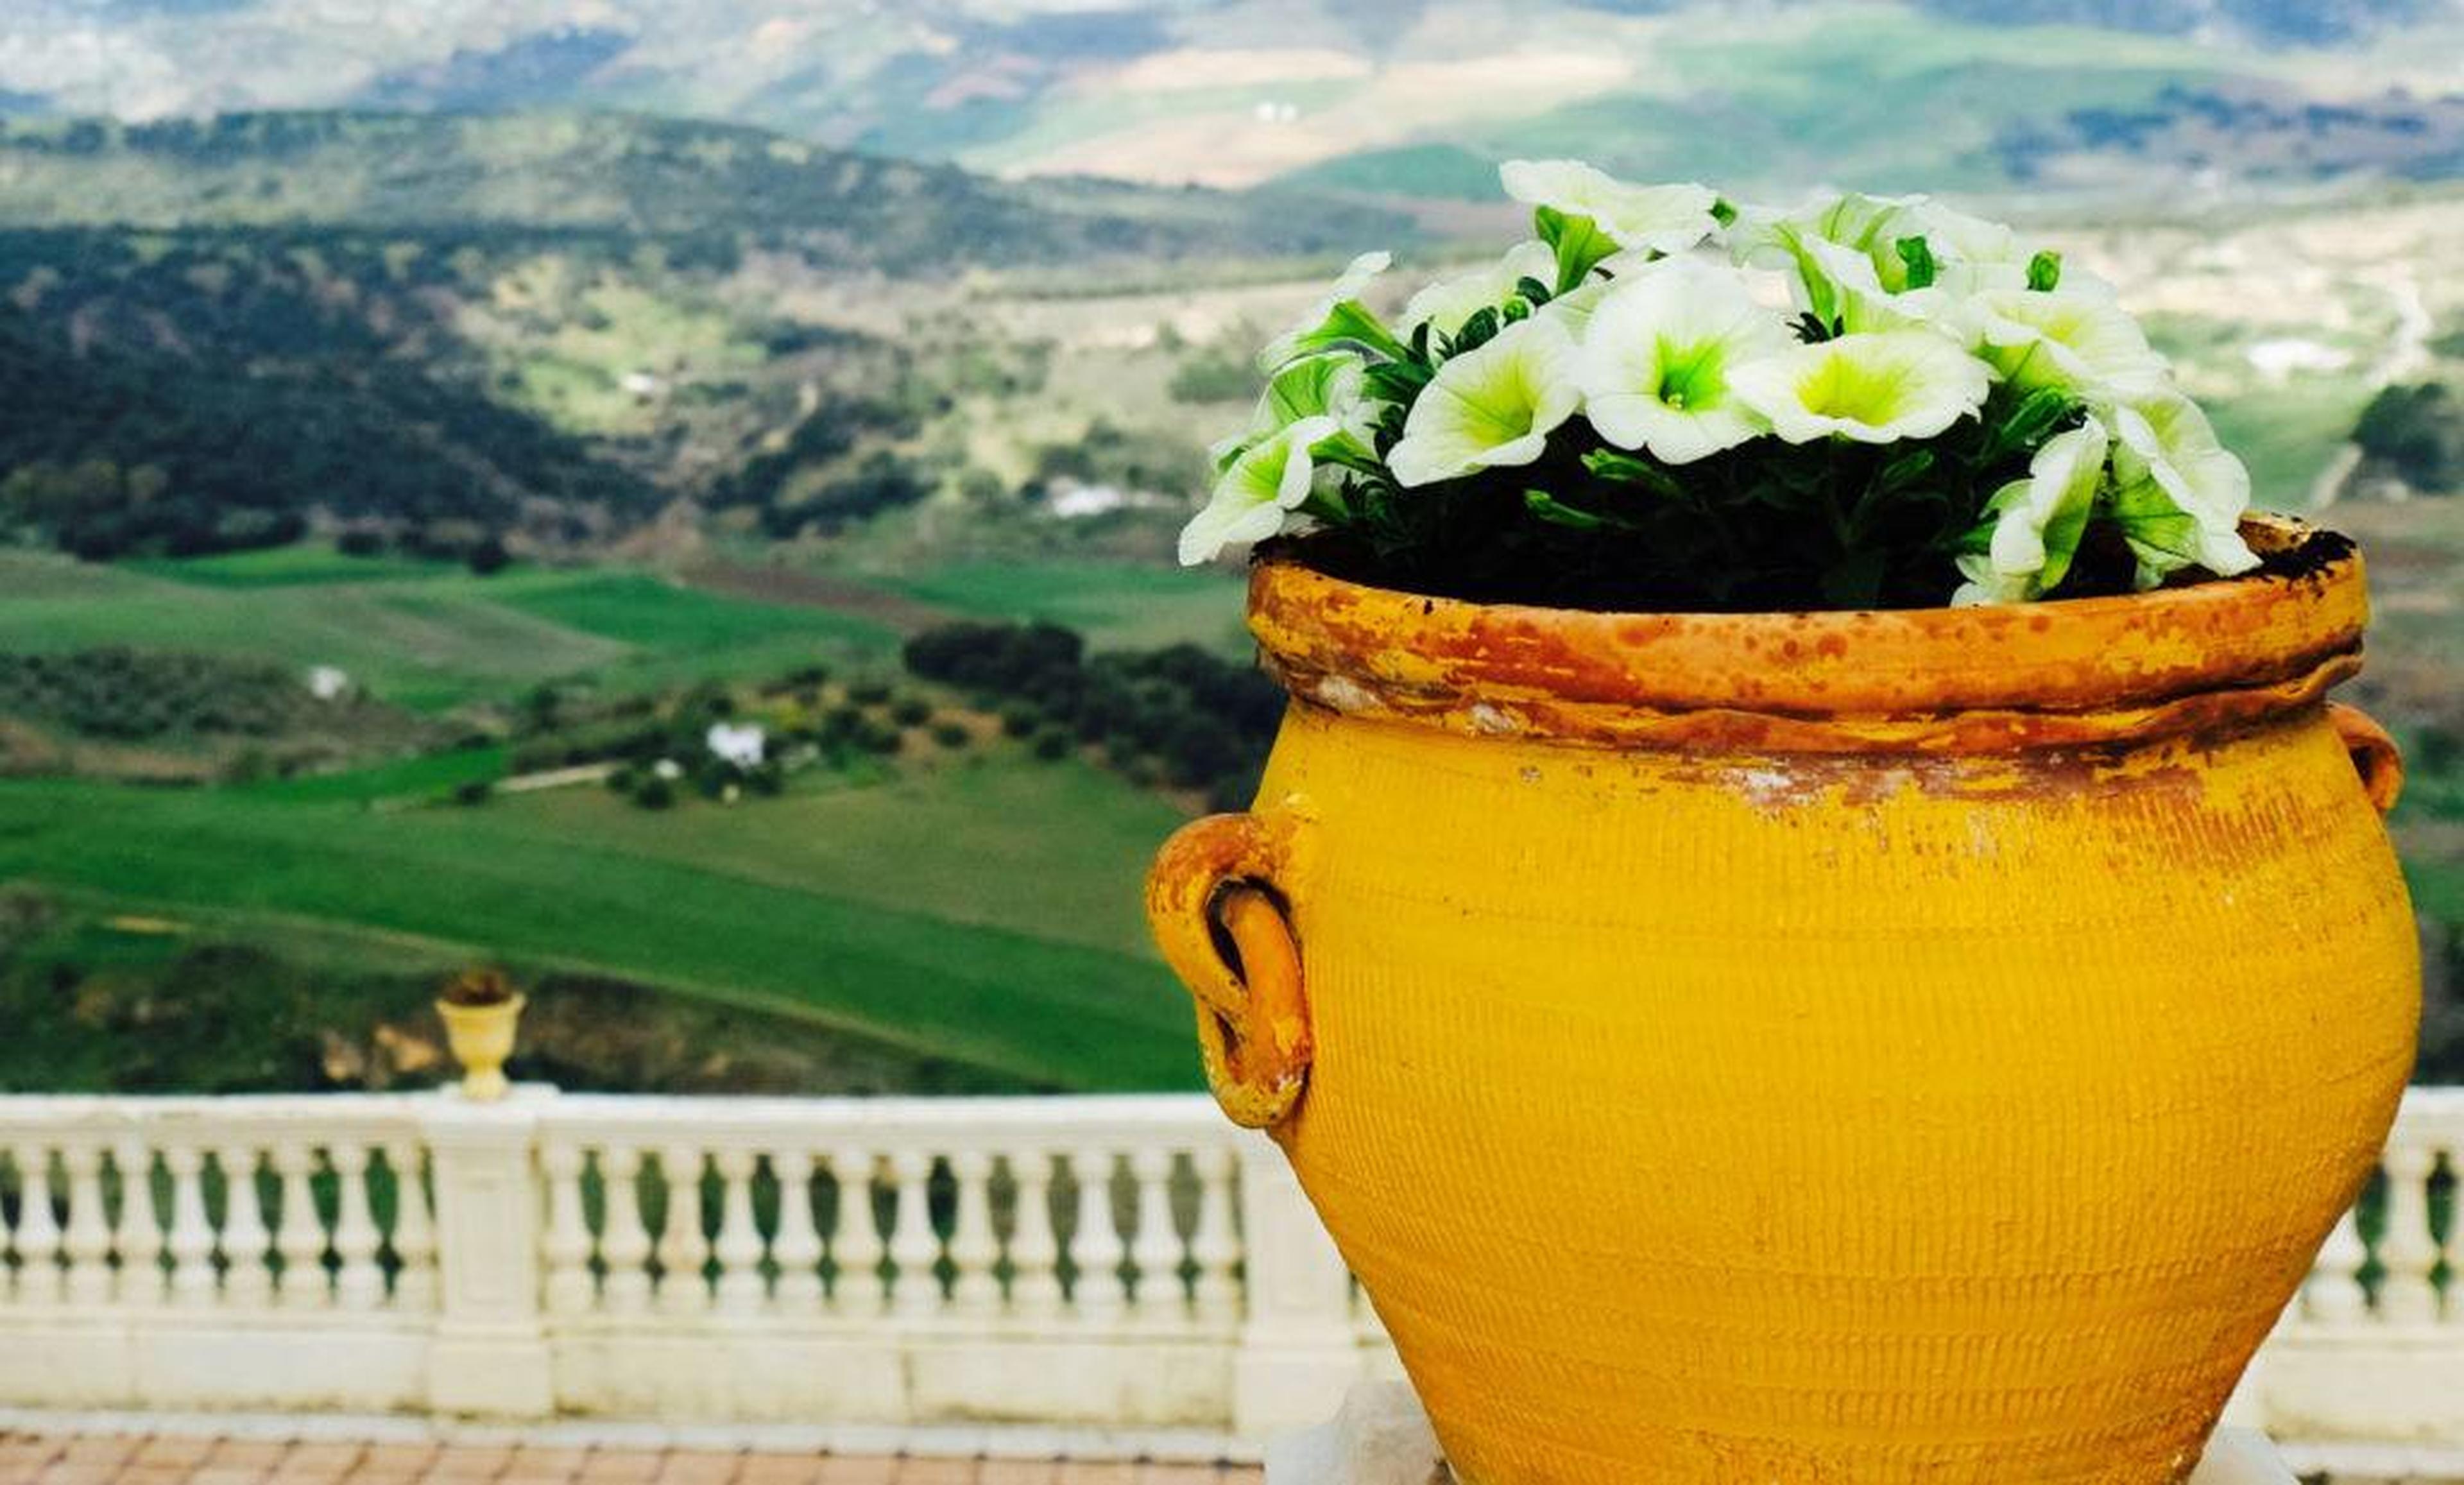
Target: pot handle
x: 1214, y: 892
x: 2375, y: 755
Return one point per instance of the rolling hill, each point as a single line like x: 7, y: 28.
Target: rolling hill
x: 1239, y: 93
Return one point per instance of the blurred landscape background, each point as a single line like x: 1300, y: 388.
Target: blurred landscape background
x: 677, y: 497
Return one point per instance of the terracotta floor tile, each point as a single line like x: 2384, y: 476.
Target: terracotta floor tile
x: 935, y: 1472
x: 247, y: 1453
x: 100, y: 1449
x: 364, y: 1474
x: 470, y: 1461
x: 20, y: 1457
x: 621, y: 1466
x: 173, y: 1449
x: 231, y: 1474
x: 64, y: 1473
x: 858, y: 1470
x: 1018, y: 1472
x: 306, y: 1455
x: 780, y: 1470
x: 154, y: 1475
x: 1097, y: 1472
x: 1158, y: 1474
x: 699, y: 1468
x: 409, y: 1458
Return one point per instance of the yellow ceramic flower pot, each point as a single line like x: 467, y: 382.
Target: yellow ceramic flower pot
x: 1831, y: 1048
x: 481, y: 1038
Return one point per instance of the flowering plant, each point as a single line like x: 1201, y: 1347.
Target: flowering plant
x: 1669, y: 400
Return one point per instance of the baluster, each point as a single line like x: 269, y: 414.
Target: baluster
x: 299, y: 1232
x: 2333, y: 1292
x: 2407, y: 1250
x: 739, y: 1246
x: 2452, y: 1251
x: 138, y: 1238
x: 1098, y: 1293
x: 38, y: 1229
x: 413, y: 1239
x: 565, y: 1247
x: 1214, y: 1247
x: 1156, y: 1251
x: 192, y: 1243
x: 1034, y: 1285
x: 684, y: 1248
x: 624, y: 1240
x: 859, y: 1287
x: 974, y: 1247
x: 245, y: 1240
x: 358, y: 1283
x: 87, y: 1239
x: 797, y: 1250
x: 915, y: 1249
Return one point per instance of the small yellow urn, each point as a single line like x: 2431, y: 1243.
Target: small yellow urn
x: 481, y: 1010
x: 1832, y: 1049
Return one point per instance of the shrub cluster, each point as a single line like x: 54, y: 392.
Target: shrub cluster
x: 1177, y: 714
x: 132, y: 696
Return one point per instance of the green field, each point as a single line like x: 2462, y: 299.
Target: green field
x: 419, y: 636
x: 1012, y: 943
x: 976, y: 907
x: 1115, y: 606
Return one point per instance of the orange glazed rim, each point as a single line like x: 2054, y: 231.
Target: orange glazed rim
x: 2195, y: 657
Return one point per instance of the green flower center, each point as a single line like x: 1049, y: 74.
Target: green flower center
x: 1690, y: 375
x: 1846, y: 389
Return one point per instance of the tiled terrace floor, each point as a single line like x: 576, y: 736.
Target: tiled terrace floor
x: 35, y: 1459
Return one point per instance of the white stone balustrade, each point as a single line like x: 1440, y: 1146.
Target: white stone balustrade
x: 1097, y: 1263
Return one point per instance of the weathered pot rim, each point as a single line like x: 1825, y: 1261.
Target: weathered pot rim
x: 2077, y: 672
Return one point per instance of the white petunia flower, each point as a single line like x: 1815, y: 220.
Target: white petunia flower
x: 2179, y: 494
x: 1845, y: 254
x: 2074, y: 341
x: 1637, y: 218
x: 1657, y: 355
x: 1572, y: 310
x: 1337, y: 318
x: 1444, y: 305
x: 1874, y: 388
x: 2038, y: 521
x: 1258, y: 492
x: 1489, y: 407
x: 1330, y: 384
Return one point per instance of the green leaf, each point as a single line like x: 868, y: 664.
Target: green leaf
x: 1724, y: 213
x: 1476, y: 331
x: 1395, y: 381
x: 1918, y: 255
x: 2034, y: 420
x: 1580, y: 244
x: 1532, y: 291
x: 1548, y: 508
x: 2045, y: 271
x: 1907, y: 468
x: 1626, y: 469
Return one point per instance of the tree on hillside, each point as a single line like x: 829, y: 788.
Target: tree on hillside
x: 2416, y: 433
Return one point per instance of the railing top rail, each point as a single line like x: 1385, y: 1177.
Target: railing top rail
x: 2436, y: 1110
x: 1181, y: 1119
x: 212, y: 1116
x: 1186, y: 1119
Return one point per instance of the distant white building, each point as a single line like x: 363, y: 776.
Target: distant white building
x: 742, y: 745
x: 1073, y: 501
x: 328, y: 682
x: 2278, y: 360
